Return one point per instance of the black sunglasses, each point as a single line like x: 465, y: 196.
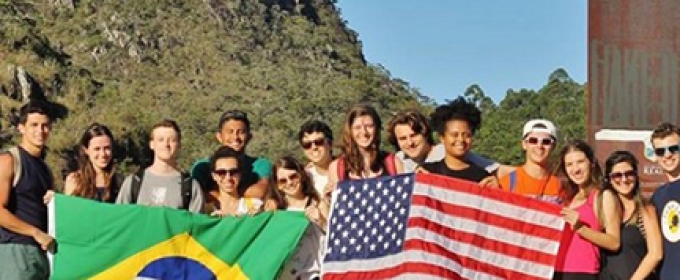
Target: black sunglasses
x: 543, y: 141
x: 661, y: 151
x: 223, y: 172
x: 318, y: 142
x: 614, y: 176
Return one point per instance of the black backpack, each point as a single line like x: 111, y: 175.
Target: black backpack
x: 187, y: 186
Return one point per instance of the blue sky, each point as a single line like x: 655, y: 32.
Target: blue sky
x: 443, y: 46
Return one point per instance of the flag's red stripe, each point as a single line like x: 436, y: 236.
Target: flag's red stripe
x: 484, y: 242
x: 448, y: 183
x: 466, y: 262
x: 487, y: 218
x: 387, y: 273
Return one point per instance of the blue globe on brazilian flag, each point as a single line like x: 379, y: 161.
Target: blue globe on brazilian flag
x: 104, y: 241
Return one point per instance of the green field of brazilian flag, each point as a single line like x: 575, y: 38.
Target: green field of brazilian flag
x: 104, y: 241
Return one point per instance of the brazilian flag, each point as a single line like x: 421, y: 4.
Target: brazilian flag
x: 105, y: 241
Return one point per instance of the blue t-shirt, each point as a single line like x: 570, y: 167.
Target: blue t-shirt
x: 666, y: 199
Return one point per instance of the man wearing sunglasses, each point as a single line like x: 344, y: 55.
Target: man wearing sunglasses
x: 234, y: 132
x: 666, y: 143
x: 316, y: 139
x: 533, y: 178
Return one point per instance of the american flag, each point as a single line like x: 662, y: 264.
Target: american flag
x: 428, y: 226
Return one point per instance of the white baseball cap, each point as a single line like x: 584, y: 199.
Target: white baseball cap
x: 539, y: 125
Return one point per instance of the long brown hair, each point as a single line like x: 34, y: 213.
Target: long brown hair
x: 351, y: 153
x: 625, y: 157
x: 569, y: 188
x: 290, y: 163
x: 86, y: 176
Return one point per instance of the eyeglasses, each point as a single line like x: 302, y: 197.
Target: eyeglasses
x: 661, y: 151
x: 542, y: 141
x: 290, y: 179
x: 616, y: 176
x: 223, y: 172
x: 318, y: 142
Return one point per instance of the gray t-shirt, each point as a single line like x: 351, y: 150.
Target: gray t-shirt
x: 437, y: 153
x: 162, y: 190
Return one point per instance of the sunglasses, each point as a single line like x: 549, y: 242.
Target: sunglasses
x: 661, y: 151
x: 291, y: 179
x: 616, y: 176
x: 223, y: 172
x: 318, y: 142
x: 542, y: 141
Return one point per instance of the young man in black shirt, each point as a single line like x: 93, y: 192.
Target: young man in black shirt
x: 24, y: 181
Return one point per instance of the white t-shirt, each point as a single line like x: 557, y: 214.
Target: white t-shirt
x: 305, y: 263
x: 437, y: 153
x: 320, y: 181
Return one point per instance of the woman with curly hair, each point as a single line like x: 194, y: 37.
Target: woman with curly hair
x: 456, y: 124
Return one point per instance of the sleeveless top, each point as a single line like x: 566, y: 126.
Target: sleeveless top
x: 26, y: 198
x: 622, y: 264
x: 577, y: 254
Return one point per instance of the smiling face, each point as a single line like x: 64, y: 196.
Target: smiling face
x: 623, y: 178
x: 36, y: 130
x: 234, y: 134
x: 288, y: 182
x: 538, y: 146
x: 577, y: 167
x: 413, y: 144
x: 165, y: 143
x: 363, y: 131
x: 316, y: 147
x: 99, y: 151
x: 457, y: 138
x: 668, y: 157
x: 227, y: 175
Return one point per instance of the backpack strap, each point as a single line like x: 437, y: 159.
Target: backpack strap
x: 341, y: 169
x: 16, y: 159
x: 136, y: 185
x: 513, y: 180
x: 390, y: 164
x: 187, y: 187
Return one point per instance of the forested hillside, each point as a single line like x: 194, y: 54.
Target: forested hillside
x: 129, y: 64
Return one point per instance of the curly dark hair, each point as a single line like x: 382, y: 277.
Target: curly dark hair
x: 458, y: 109
x: 315, y: 126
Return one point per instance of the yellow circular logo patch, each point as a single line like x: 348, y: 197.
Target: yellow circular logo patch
x: 670, y: 221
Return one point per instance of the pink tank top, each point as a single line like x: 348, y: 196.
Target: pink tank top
x: 577, y: 254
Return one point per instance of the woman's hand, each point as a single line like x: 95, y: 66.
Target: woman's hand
x: 270, y: 205
x: 49, y: 195
x: 490, y: 181
x: 571, y: 216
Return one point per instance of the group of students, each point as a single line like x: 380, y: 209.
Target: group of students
x: 612, y: 232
